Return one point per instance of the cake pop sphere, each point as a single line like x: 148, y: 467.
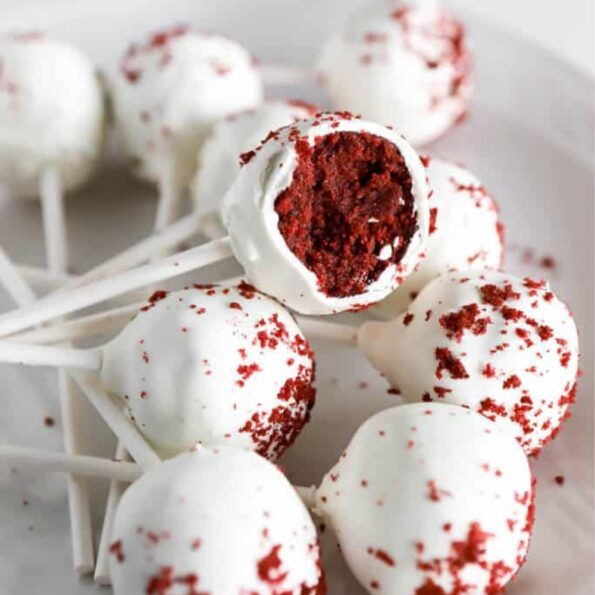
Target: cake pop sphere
x: 458, y: 201
x: 401, y: 63
x: 329, y: 214
x: 221, y: 521
x: 169, y: 91
x: 430, y: 499
x: 499, y: 345
x: 213, y: 365
x: 219, y: 158
x: 51, y: 113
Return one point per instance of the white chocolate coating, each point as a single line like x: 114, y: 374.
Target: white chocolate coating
x: 458, y: 201
x: 499, y: 345
x: 221, y: 521
x: 169, y: 91
x: 219, y: 158
x: 403, y: 63
x: 51, y: 113
x: 252, y: 222
x: 213, y: 365
x: 428, y: 498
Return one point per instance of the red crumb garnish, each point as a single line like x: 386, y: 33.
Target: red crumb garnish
x: 269, y: 568
x: 382, y: 556
x: 116, y: 550
x: 467, y: 318
x: 447, y: 361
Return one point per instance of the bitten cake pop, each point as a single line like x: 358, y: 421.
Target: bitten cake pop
x: 403, y: 63
x: 215, y: 521
x: 168, y: 92
x: 51, y: 126
x: 219, y: 158
x: 327, y: 215
x: 430, y: 499
x: 503, y: 346
x: 210, y: 365
x: 465, y: 231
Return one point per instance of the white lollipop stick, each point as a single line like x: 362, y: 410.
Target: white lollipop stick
x: 42, y: 278
x: 156, y: 244
x: 113, y: 416
x: 93, y: 325
x: 54, y: 219
x: 13, y: 282
x: 282, y: 74
x: 170, y: 194
x: 13, y: 352
x: 321, y: 329
x: 79, y: 504
x: 115, y: 319
x: 60, y: 304
x: 32, y: 459
x: 116, y: 489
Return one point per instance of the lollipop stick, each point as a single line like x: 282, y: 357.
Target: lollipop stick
x: 79, y: 502
x: 116, y: 489
x: 58, y: 305
x: 143, y: 251
x: 32, y: 459
x: 43, y: 278
x: 308, y: 495
x: 282, y: 75
x: 13, y: 282
x: 13, y: 352
x: 93, y: 325
x: 113, y: 416
x: 54, y: 219
x: 170, y: 194
x: 321, y: 329
x: 78, y: 493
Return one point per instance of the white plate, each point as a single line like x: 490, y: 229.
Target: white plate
x: 528, y: 137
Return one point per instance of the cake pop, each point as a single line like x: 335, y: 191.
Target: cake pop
x: 503, y: 346
x: 219, y: 158
x: 51, y: 127
x: 168, y: 91
x: 327, y: 215
x: 465, y: 231
x: 217, y: 520
x: 430, y: 499
x: 206, y: 364
x: 403, y: 63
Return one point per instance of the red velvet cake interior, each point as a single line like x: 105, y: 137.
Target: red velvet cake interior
x: 349, y: 198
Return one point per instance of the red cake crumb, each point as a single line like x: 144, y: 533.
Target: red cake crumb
x: 447, y: 361
x: 341, y: 183
x: 467, y: 318
x: 559, y: 479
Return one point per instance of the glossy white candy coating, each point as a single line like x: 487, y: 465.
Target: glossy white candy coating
x: 219, y: 521
x: 169, y: 91
x: 497, y: 344
x: 430, y: 498
x: 403, y: 63
x: 51, y: 113
x: 219, y: 158
x: 213, y: 365
x: 252, y: 222
x: 465, y: 231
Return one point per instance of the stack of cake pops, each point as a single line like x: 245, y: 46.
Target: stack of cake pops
x: 206, y: 386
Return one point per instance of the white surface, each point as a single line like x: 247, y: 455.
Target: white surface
x: 528, y: 137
